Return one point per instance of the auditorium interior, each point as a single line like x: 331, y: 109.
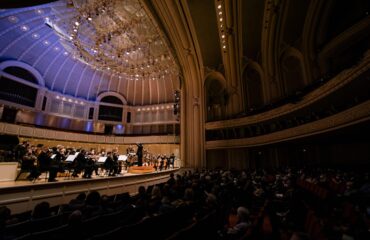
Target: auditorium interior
x: 205, y: 119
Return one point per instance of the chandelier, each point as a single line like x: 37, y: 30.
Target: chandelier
x: 116, y: 36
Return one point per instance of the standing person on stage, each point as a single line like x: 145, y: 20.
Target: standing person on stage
x: 55, y: 161
x: 139, y: 154
x: 171, y: 161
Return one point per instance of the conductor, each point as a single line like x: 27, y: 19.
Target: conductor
x: 139, y: 154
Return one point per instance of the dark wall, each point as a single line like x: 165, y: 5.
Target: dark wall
x: 346, y: 155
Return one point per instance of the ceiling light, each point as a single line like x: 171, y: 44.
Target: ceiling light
x: 117, y: 43
x: 13, y: 19
x: 219, y: 6
x: 25, y: 28
x: 35, y: 36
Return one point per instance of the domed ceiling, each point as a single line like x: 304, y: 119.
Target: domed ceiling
x: 84, y: 48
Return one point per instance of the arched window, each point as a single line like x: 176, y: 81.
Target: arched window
x: 111, y: 99
x: 15, y: 91
x: 21, y: 73
x: 110, y: 109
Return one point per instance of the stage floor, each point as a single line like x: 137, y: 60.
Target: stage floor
x: 42, y: 180
x: 23, y: 195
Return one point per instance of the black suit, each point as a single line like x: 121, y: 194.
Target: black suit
x: 139, y: 154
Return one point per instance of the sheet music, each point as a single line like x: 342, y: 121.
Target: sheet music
x: 122, y: 158
x: 102, y: 159
x: 70, y: 158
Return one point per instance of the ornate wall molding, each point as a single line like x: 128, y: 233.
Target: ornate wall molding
x: 33, y: 132
x: 331, y: 86
x: 346, y: 118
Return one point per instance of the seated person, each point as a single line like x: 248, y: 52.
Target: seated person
x: 241, y: 225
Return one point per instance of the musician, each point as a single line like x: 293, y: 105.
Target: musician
x: 28, y: 160
x: 55, y: 159
x: 44, y: 163
x: 29, y: 164
x: 117, y: 167
x: 20, y: 150
x: 89, y: 167
x: 157, y: 165
x: 171, y: 161
x: 79, y: 163
x: 164, y: 162
x: 93, y: 161
x: 139, y: 154
x: 110, y: 165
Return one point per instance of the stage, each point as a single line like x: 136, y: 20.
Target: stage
x: 23, y: 195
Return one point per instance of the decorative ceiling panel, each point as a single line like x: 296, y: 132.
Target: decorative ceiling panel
x: 115, y: 46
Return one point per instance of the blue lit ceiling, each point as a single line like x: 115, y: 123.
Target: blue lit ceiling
x: 25, y: 37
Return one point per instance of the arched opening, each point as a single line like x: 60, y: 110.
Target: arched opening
x: 215, y: 99
x: 110, y: 109
x: 21, y: 73
x: 252, y: 84
x: 293, y: 73
x: 17, y: 91
x: 111, y: 99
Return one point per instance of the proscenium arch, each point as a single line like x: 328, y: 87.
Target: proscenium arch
x: 33, y: 71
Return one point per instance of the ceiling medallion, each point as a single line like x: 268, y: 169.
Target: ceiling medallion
x: 116, y: 36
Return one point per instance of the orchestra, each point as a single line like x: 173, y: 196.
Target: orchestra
x: 80, y: 162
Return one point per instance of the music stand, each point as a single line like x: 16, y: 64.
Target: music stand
x: 70, y: 158
x: 102, y: 159
x: 122, y: 158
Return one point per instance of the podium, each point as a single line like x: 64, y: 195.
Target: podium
x: 141, y: 169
